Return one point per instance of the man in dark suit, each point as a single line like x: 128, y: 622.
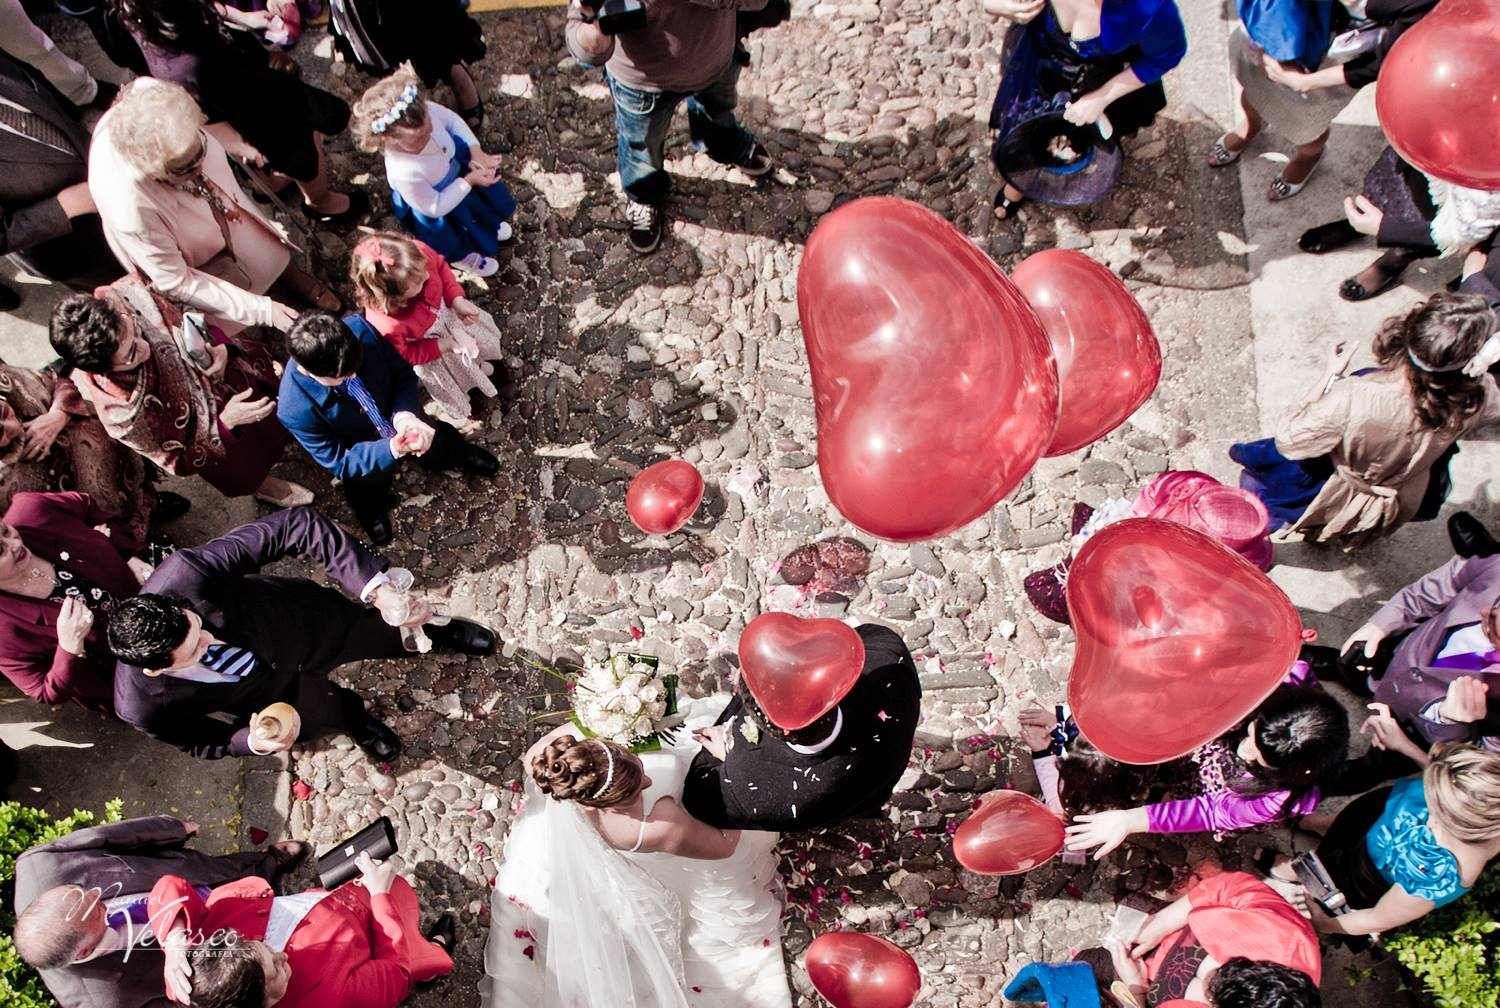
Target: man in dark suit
x: 48, y: 222
x: 211, y: 641
x: 353, y: 403
x: 753, y: 775
x: 81, y: 902
x: 1432, y: 655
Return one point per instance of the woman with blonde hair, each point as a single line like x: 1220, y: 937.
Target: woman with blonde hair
x: 1363, y: 455
x: 176, y: 217
x: 1400, y: 852
x: 411, y: 297
x: 445, y: 189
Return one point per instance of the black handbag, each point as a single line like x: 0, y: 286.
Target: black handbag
x: 338, y: 866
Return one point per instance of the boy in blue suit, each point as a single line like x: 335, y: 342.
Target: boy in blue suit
x: 353, y: 403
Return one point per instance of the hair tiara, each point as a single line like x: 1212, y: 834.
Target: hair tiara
x: 403, y: 102
x: 609, y: 772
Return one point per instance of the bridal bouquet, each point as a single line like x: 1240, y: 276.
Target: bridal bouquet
x: 627, y: 700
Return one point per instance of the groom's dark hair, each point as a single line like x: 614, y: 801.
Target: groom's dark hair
x: 811, y: 735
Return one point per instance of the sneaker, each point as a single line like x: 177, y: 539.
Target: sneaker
x: 482, y: 266
x: 646, y: 223
x: 758, y: 163
x: 505, y: 232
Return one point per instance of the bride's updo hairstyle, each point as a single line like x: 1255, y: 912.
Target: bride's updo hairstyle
x: 592, y: 772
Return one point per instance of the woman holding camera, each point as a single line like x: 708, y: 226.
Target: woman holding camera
x: 1400, y: 852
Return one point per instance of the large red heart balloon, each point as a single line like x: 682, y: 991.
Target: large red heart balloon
x: 1179, y: 639
x: 1438, y: 97
x: 853, y: 970
x: 1009, y: 833
x: 662, y: 497
x: 933, y: 382
x: 799, y: 669
x: 1107, y: 356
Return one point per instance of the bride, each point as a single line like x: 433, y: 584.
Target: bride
x: 611, y: 896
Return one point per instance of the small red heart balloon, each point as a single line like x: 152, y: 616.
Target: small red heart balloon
x: 1107, y: 356
x: 1179, y: 639
x: 853, y: 970
x: 1008, y: 834
x: 664, y: 496
x: 1438, y: 98
x: 799, y: 669
x: 933, y: 383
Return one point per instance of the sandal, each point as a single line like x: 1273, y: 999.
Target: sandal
x: 1352, y: 290
x: 1005, y: 203
x: 1220, y: 156
x: 1281, y: 189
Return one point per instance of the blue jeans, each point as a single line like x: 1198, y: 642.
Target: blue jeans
x: 642, y: 119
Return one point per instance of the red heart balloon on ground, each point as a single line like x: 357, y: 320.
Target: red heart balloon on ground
x: 1008, y: 834
x: 1438, y: 98
x: 933, y: 382
x: 1107, y: 356
x: 1179, y: 639
x: 664, y: 496
x: 799, y: 669
x: 853, y: 970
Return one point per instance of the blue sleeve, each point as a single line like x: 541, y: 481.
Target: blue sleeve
x: 328, y: 450
x: 1163, y: 44
x: 406, y: 390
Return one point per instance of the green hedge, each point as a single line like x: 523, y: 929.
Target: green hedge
x: 21, y: 828
x: 1453, y: 952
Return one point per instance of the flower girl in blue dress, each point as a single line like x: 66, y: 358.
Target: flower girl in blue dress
x: 445, y: 189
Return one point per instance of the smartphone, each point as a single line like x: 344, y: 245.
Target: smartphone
x: 195, y: 341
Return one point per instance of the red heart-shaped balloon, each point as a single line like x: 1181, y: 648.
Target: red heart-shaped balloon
x: 664, y: 496
x: 933, y: 383
x: 799, y: 669
x: 1107, y: 356
x: 1008, y: 834
x: 853, y: 970
x: 1179, y: 639
x: 1438, y: 98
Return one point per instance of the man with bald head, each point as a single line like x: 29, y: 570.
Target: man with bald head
x: 81, y: 905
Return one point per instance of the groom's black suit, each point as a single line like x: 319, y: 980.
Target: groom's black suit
x: 767, y: 785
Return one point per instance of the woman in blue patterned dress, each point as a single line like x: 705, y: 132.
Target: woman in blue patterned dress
x: 1077, y: 77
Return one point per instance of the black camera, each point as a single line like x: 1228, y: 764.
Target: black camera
x: 616, y: 16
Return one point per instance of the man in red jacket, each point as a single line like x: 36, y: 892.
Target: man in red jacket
x: 359, y: 946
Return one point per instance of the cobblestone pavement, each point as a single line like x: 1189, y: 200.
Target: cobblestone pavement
x: 696, y: 352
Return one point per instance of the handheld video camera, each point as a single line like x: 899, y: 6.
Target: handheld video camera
x: 616, y: 16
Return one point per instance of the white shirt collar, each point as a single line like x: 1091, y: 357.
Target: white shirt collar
x: 813, y: 750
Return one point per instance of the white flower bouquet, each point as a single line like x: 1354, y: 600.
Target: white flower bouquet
x: 628, y: 701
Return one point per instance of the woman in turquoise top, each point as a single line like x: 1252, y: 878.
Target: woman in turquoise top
x: 1400, y: 852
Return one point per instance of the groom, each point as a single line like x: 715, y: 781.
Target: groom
x: 752, y: 774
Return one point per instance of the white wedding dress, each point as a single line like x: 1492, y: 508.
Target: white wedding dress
x: 575, y: 923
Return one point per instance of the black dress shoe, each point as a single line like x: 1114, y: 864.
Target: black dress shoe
x: 9, y: 299
x: 359, y: 205
x: 461, y: 635
x: 377, y: 527
x: 478, y: 461
x: 444, y: 932
x: 1470, y: 538
x: 170, y: 507
x: 377, y: 740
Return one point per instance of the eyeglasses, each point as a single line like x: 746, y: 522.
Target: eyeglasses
x: 194, y: 162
